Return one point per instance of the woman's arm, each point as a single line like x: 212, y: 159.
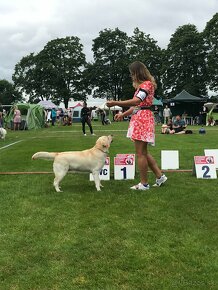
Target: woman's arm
x: 128, y: 112
x: 120, y: 116
x: 127, y: 103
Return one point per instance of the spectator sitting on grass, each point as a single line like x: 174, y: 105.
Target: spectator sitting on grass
x: 179, y: 125
x: 167, y: 128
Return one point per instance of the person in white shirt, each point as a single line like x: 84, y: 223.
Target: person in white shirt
x: 166, y: 114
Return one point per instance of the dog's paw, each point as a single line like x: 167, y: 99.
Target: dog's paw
x: 58, y: 189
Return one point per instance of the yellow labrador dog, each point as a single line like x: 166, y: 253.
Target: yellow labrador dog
x: 90, y: 160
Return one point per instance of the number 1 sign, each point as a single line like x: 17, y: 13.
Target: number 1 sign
x: 124, y: 166
x: 205, y: 167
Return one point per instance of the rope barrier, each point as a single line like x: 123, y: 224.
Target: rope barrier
x: 51, y: 172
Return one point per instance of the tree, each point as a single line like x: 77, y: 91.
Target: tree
x: 63, y: 62
x: 29, y: 79
x: 145, y: 49
x: 54, y: 73
x: 110, y: 67
x: 184, y: 62
x: 210, y: 35
x: 113, y: 52
x: 8, y: 94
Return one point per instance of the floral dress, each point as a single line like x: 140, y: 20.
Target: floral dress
x: 141, y: 125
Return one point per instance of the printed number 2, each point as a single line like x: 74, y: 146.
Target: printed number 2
x: 207, y: 169
x: 124, y: 172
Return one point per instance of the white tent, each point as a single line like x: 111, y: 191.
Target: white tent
x: 47, y: 104
x: 211, y: 105
x: 105, y: 107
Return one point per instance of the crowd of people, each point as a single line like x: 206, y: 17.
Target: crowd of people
x: 162, y: 116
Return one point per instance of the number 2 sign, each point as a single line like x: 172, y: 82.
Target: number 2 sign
x: 205, y: 167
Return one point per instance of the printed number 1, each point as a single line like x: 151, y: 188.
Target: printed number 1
x: 207, y: 169
x: 124, y: 172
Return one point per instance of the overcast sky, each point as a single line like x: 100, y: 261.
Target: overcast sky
x: 27, y: 25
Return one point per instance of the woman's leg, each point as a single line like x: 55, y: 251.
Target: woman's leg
x: 153, y: 166
x: 141, y: 153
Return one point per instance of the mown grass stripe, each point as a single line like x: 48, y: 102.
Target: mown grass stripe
x: 6, y: 146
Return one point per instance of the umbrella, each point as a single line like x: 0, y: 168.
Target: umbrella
x: 209, y: 105
x: 47, y: 104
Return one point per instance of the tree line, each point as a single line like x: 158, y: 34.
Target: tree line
x: 60, y: 71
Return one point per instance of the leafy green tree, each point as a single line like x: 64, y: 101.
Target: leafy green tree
x: 55, y: 73
x: 184, y: 62
x: 29, y: 79
x: 63, y: 63
x: 145, y: 49
x: 8, y: 94
x: 110, y: 67
x: 210, y: 35
x: 113, y: 52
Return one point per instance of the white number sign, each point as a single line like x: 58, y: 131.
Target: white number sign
x: 205, y: 167
x: 124, y: 166
x: 105, y: 172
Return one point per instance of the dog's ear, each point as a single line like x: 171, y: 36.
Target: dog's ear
x: 103, y: 143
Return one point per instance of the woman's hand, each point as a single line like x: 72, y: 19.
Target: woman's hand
x: 118, y: 117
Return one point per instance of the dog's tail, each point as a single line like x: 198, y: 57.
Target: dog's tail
x: 44, y: 155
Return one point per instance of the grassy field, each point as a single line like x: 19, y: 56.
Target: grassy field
x: 165, y: 238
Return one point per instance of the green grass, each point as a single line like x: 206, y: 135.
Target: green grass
x: 165, y: 238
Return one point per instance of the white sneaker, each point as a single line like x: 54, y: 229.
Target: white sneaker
x: 84, y: 134
x: 93, y: 134
x: 140, y: 186
x: 160, y: 181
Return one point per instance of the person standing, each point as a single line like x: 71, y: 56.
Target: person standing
x: 1, y: 120
x: 103, y: 116
x: 86, y: 118
x: 166, y: 114
x: 1, y: 116
x: 53, y: 116
x: 142, y: 126
x: 157, y: 115
x: 203, y: 115
x: 17, y: 118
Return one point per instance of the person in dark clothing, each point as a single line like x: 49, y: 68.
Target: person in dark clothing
x: 103, y: 116
x: 203, y: 115
x: 86, y: 118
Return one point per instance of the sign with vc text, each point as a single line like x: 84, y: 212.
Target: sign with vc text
x: 105, y: 171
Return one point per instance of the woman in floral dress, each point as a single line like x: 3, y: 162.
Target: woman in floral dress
x: 142, y: 126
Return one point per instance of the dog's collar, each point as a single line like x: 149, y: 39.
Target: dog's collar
x: 102, y: 151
